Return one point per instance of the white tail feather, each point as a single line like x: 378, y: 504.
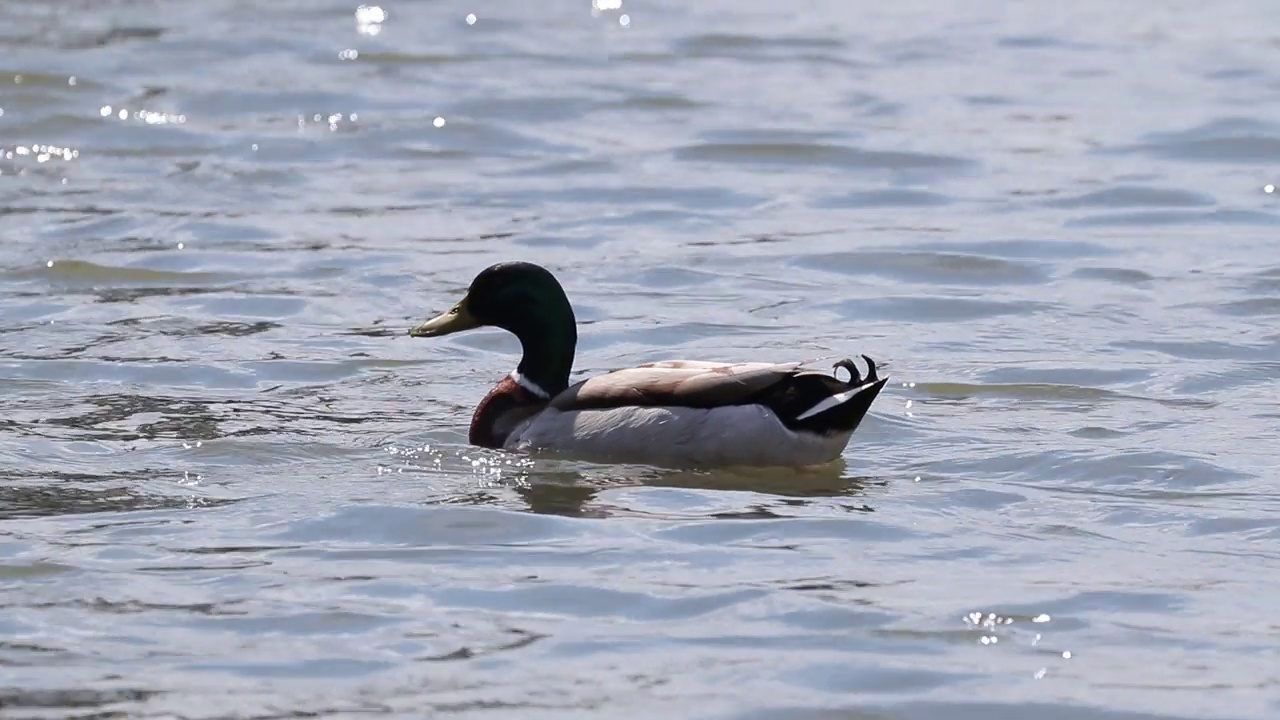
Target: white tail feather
x: 834, y: 400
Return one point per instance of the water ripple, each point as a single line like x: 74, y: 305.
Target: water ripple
x: 816, y: 154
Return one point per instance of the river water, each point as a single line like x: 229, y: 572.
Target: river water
x: 230, y: 486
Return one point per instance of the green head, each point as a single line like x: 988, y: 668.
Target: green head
x: 527, y: 301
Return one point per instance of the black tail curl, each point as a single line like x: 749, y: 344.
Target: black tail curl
x: 855, y: 377
x: 796, y: 395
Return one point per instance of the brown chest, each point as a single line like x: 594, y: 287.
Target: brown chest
x: 500, y: 411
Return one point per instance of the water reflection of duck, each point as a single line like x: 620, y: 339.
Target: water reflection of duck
x: 676, y: 411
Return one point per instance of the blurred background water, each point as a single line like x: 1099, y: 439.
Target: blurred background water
x: 231, y: 487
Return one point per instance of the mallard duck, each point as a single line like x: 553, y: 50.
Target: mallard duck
x: 676, y: 411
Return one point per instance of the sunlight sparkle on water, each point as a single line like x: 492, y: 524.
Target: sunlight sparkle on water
x: 333, y: 121
x: 991, y: 620
x: 41, y: 153
x: 369, y: 19
x: 370, y: 14
x: 599, y: 7
x: 150, y: 117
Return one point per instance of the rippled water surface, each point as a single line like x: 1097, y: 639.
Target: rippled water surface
x: 230, y: 486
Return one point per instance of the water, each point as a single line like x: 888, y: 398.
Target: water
x: 232, y: 487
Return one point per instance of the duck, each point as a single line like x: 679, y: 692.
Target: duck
x: 670, y: 412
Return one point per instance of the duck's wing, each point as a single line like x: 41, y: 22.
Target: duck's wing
x: 673, y: 383
x: 800, y: 398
